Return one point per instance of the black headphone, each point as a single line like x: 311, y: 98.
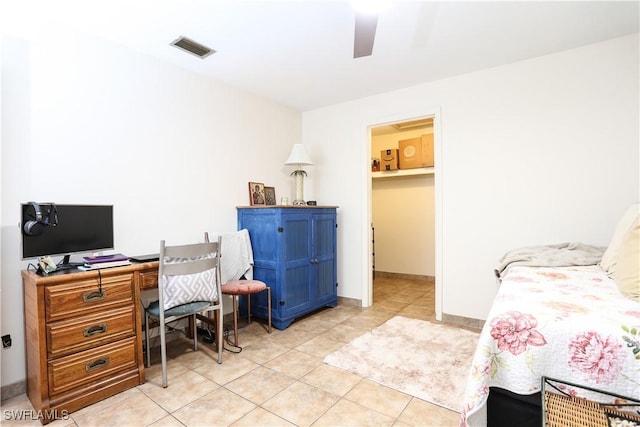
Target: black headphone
x: 35, y: 227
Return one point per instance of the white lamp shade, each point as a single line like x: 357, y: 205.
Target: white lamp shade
x: 298, y: 156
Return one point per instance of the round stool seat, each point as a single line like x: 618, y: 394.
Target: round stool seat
x: 243, y: 287
x: 235, y: 288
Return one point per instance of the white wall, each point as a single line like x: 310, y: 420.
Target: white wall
x: 402, y: 211
x: 540, y: 151
x: 403, y: 214
x: 85, y: 121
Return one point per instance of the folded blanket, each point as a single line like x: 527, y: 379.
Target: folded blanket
x: 560, y: 255
x: 237, y: 256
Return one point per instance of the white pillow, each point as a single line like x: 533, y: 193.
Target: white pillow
x: 627, y: 272
x: 610, y: 257
x: 183, y: 289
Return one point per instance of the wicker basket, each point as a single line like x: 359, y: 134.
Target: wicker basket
x: 562, y: 410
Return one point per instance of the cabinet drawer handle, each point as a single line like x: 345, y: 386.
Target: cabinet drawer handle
x: 97, y: 364
x: 94, y: 296
x: 96, y: 329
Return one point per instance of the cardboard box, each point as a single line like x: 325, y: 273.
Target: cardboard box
x: 389, y: 159
x: 416, y: 152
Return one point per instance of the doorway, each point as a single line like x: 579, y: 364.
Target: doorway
x: 402, y: 199
x: 418, y: 259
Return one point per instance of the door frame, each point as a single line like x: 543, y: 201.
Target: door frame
x: 367, y: 243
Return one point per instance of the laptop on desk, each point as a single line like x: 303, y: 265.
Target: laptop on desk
x: 145, y: 258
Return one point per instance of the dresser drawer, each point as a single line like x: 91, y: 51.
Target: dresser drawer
x: 68, y: 336
x: 81, y: 297
x: 76, y: 370
x: 149, y: 279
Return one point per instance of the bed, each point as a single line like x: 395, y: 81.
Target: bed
x: 561, y: 313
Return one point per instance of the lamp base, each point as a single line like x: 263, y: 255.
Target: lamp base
x: 299, y: 203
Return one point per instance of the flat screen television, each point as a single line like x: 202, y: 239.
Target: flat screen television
x: 65, y: 230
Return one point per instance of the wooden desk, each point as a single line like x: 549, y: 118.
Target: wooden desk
x: 84, y: 335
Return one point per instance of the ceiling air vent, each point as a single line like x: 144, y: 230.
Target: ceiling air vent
x: 192, y: 47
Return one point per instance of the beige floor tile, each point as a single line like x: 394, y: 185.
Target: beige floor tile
x: 393, y: 304
x: 421, y: 413
x: 257, y: 327
x: 313, y: 324
x: 262, y: 418
x: 245, y: 339
x: 263, y: 351
x: 347, y: 413
x: 205, y: 356
x: 260, y: 384
x: 291, y: 338
x: 168, y: 421
x: 320, y: 346
x: 18, y: 411
x: 181, y: 390
x: 232, y: 367
x: 333, y: 380
x: 174, y: 369
x: 365, y: 321
x: 218, y: 408
x: 343, y: 333
x: 337, y: 314
x: 109, y: 402
x: 300, y: 404
x: 417, y: 313
x: 294, y: 363
x: 378, y: 397
x: 138, y: 409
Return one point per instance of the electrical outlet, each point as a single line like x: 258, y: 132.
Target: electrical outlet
x: 6, y: 341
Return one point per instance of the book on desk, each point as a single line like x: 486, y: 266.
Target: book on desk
x: 104, y: 261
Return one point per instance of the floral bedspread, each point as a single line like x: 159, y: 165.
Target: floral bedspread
x: 568, y: 323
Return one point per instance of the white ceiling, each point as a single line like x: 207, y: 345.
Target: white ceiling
x: 300, y: 53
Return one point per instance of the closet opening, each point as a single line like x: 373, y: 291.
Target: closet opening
x: 402, y: 204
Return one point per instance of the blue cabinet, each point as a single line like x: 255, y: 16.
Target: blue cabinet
x: 294, y: 252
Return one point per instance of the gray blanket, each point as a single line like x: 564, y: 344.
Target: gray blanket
x: 560, y: 255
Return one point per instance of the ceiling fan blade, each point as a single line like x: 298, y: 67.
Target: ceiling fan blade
x: 365, y: 33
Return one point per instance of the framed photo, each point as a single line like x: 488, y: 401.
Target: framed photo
x: 270, y: 196
x: 256, y: 193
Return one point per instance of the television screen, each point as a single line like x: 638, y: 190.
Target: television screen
x: 66, y: 229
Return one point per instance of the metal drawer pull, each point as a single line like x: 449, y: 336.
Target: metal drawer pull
x: 96, y: 329
x: 97, y: 364
x: 94, y: 296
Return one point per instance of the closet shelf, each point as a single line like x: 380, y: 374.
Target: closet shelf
x: 402, y: 172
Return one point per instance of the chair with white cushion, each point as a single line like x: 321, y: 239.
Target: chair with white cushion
x: 236, y: 265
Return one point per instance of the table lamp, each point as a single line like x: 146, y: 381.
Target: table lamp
x: 299, y: 157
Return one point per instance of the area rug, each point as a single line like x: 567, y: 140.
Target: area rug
x: 423, y: 359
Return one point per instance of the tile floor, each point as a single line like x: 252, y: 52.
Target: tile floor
x: 276, y: 380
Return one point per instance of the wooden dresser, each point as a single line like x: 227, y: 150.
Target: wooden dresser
x: 83, y: 335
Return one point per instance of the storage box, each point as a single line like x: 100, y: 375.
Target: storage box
x: 389, y: 159
x: 375, y: 164
x: 416, y: 152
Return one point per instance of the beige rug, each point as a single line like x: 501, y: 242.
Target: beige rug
x: 423, y: 359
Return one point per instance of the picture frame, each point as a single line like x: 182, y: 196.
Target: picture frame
x: 256, y: 194
x: 270, y: 196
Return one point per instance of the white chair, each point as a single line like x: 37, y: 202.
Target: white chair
x: 188, y: 287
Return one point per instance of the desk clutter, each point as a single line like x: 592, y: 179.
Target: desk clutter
x: 104, y: 261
